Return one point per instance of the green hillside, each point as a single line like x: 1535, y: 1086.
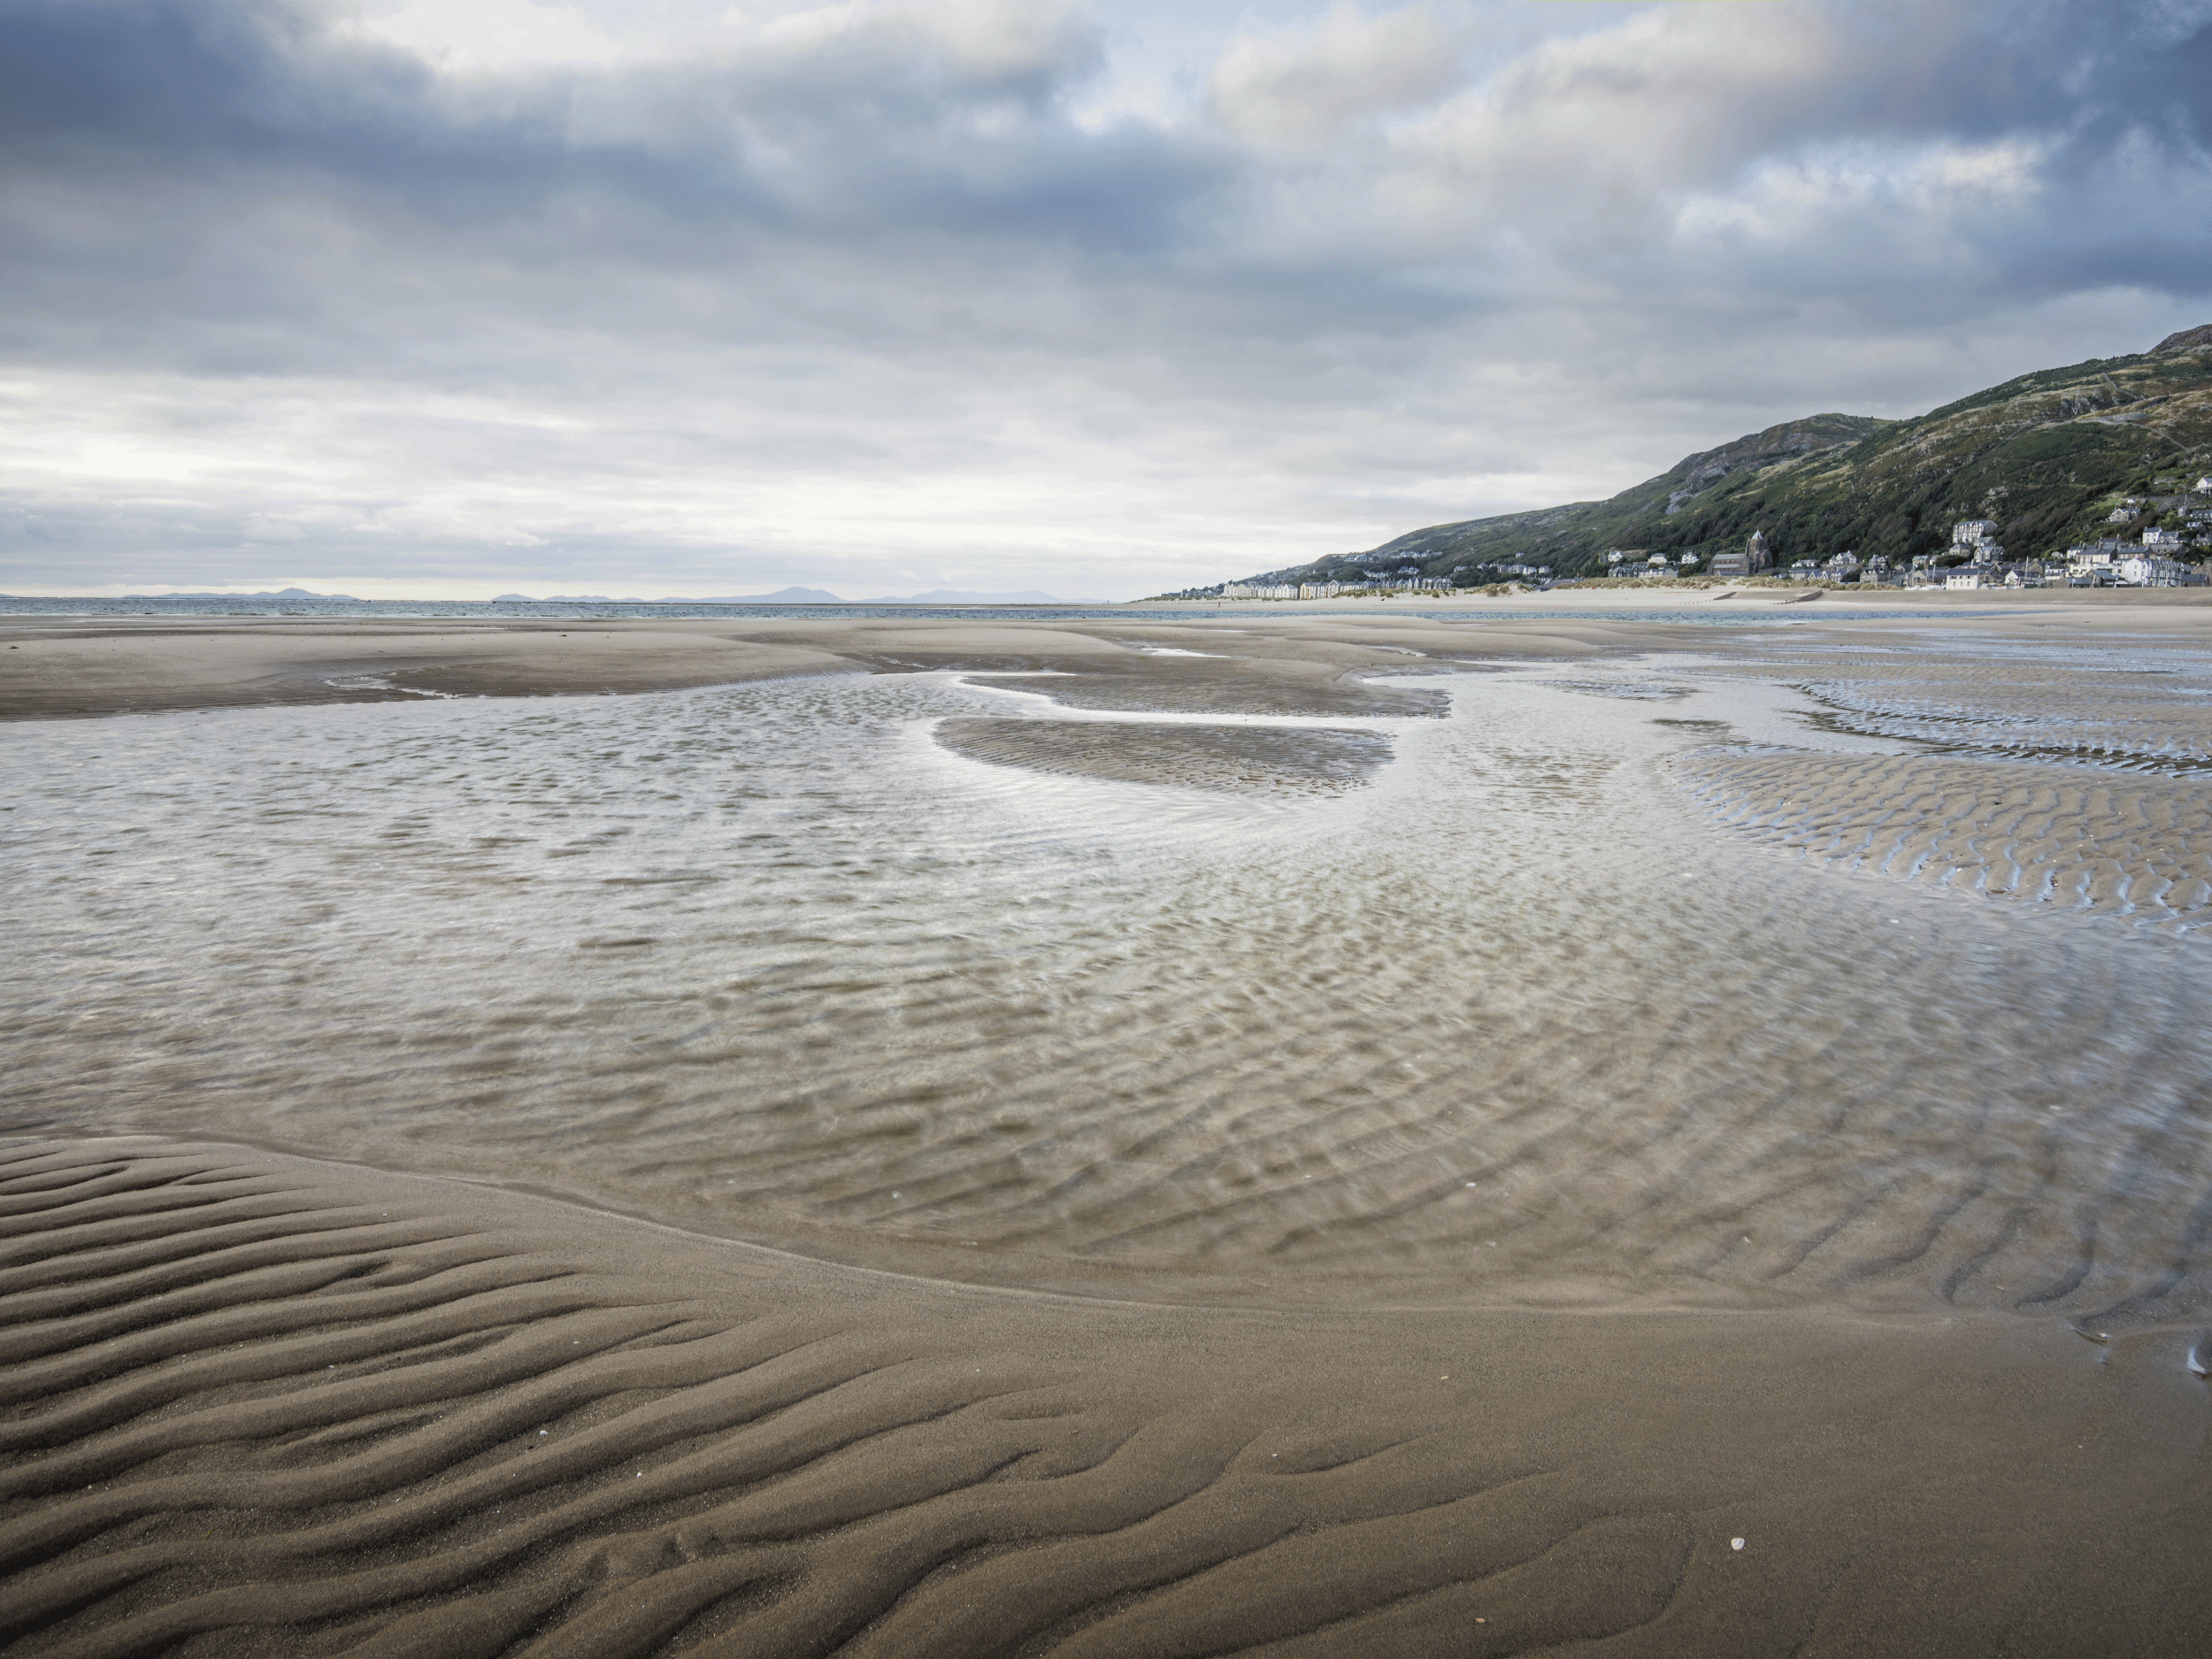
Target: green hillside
x: 2048, y: 455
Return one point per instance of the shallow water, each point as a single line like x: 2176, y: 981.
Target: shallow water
x: 1518, y: 1019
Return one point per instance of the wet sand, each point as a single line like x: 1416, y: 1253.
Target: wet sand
x: 260, y: 1403
x: 54, y: 668
x: 1304, y: 761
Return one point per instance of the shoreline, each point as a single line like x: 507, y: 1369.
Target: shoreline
x: 74, y: 668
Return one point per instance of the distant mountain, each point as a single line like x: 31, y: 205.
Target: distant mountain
x: 781, y: 596
x: 2050, y: 456
x: 281, y: 593
x: 951, y: 596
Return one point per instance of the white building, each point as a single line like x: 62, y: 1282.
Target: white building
x: 2144, y: 570
x: 1973, y: 536
x: 2161, y: 539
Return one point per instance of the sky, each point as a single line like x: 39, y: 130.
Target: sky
x: 448, y: 298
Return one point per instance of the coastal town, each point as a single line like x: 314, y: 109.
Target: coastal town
x: 2157, y: 542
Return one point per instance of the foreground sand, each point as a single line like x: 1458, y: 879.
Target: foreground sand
x: 258, y: 1404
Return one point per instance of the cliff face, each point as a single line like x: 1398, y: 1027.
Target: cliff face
x: 2048, y: 456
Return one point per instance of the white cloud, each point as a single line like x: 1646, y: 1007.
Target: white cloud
x: 1306, y: 87
x: 489, y: 34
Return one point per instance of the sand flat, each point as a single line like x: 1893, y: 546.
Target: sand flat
x: 261, y: 1403
x: 1466, y: 1222
x: 61, y: 667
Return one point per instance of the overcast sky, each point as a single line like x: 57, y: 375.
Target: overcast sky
x: 454, y: 298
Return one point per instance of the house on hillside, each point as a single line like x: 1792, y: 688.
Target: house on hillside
x: 2145, y: 571
x: 1975, y: 538
x: 2099, y: 557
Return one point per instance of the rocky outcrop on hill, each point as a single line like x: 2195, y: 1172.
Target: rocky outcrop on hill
x: 1759, y: 451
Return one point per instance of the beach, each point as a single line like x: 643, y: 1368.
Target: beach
x: 1604, y: 1123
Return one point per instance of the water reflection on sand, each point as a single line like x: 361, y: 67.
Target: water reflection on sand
x: 1518, y: 1018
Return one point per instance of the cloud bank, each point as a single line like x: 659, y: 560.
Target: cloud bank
x: 468, y: 297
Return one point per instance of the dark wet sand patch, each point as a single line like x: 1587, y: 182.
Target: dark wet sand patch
x: 1155, y: 685
x: 259, y: 1404
x: 1241, y: 758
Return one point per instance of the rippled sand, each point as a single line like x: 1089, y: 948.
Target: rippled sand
x: 263, y: 1405
x: 1328, y: 995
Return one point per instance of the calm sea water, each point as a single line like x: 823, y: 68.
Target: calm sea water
x: 13, y: 605
x: 766, y: 960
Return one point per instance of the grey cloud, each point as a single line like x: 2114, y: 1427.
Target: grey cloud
x: 856, y: 264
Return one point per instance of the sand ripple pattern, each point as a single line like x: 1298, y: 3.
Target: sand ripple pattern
x: 1263, y: 759
x: 772, y: 963
x: 254, y: 1405
x: 2039, y: 834
x: 2143, y: 706
x: 248, y: 1409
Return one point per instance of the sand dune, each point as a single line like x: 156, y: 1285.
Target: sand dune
x: 258, y: 1404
